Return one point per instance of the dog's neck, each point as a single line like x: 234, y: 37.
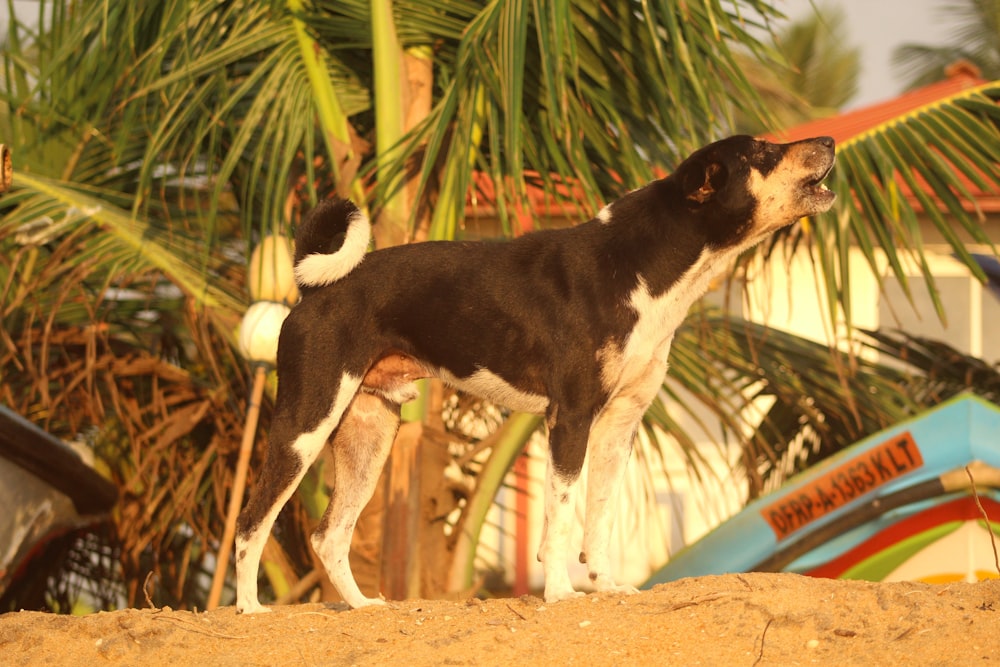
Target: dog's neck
x: 666, y: 308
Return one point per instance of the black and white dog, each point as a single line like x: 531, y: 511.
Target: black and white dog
x: 574, y: 324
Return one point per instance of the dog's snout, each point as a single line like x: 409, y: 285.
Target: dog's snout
x: 826, y: 141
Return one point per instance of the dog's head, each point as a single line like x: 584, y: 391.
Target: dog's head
x: 746, y: 188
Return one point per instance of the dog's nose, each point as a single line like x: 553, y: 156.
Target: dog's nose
x: 826, y: 141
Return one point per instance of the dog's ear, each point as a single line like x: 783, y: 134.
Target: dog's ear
x: 703, y: 183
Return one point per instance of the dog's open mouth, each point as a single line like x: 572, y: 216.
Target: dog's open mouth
x: 816, y: 189
x: 816, y: 181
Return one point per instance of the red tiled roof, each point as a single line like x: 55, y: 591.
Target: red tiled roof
x: 842, y: 127
x: 961, y: 76
x: 563, y: 203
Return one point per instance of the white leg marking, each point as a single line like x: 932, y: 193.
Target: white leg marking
x: 360, y: 449
x: 633, y: 382
x: 250, y: 547
x: 248, y: 553
x: 611, y: 445
x: 559, y: 515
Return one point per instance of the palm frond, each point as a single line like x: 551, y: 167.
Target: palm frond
x: 579, y: 93
x: 130, y: 244
x: 973, y: 36
x: 933, y: 370
x: 824, y: 68
x: 775, y: 403
x: 783, y: 400
x: 932, y: 162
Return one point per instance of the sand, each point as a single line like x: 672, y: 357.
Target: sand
x: 736, y: 619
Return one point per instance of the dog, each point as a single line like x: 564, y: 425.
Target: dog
x: 574, y: 324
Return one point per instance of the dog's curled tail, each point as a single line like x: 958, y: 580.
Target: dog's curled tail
x: 319, y: 258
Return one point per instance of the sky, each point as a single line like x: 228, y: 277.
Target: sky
x: 875, y: 26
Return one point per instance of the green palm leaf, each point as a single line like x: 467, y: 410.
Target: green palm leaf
x: 929, y: 162
x: 783, y: 402
x: 595, y: 95
x: 125, y: 243
x: 974, y: 37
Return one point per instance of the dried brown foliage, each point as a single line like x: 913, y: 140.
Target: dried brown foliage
x: 157, y: 392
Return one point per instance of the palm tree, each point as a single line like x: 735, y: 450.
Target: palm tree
x: 975, y: 38
x: 157, y: 141
x: 821, y: 75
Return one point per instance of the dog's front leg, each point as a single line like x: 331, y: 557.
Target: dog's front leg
x: 567, y: 448
x: 609, y: 450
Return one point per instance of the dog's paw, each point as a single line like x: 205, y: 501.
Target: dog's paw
x: 622, y: 589
x: 367, y: 602
x: 561, y: 594
x: 605, y: 584
x: 254, y: 608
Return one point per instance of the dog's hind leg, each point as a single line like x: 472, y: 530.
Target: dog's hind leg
x: 360, y: 448
x: 290, y: 453
x: 567, y: 449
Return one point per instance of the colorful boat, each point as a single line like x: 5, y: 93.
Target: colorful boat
x: 917, y: 501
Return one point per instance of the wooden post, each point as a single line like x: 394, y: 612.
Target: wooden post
x: 400, y: 563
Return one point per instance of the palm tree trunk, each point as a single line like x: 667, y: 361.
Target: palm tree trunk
x: 403, y: 85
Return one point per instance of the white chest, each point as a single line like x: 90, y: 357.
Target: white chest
x: 639, y: 366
